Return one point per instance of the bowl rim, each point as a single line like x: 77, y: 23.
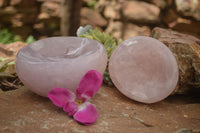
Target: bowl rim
x: 41, y: 58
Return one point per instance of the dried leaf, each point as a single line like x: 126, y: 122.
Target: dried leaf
x: 4, y: 64
x: 10, y: 83
x: 142, y: 122
x: 5, y: 75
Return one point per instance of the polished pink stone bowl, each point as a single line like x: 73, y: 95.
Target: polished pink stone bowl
x: 59, y: 62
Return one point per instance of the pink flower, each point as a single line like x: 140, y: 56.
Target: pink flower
x: 78, y: 105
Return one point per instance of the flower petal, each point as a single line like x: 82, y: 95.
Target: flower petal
x: 71, y: 108
x: 89, y: 84
x: 60, y: 96
x: 87, y: 114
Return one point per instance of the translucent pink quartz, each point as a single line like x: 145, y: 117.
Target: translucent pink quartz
x: 59, y: 62
x: 144, y: 69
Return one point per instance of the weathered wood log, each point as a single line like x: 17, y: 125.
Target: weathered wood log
x: 70, y: 17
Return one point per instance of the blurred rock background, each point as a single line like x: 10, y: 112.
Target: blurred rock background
x: 121, y: 18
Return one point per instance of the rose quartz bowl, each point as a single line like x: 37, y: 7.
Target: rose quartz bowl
x: 59, y: 62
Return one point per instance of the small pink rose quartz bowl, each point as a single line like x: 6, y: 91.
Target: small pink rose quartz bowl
x: 143, y: 69
x: 59, y: 62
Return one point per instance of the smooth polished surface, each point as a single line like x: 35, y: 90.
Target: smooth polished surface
x: 144, y: 69
x: 59, y: 62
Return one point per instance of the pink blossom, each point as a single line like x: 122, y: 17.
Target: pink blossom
x: 78, y: 105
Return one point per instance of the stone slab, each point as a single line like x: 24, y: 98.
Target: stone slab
x: 186, y: 49
x: 22, y: 111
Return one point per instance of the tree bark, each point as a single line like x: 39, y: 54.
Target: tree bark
x: 70, y: 17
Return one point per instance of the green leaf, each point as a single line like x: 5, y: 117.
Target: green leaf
x: 7, y: 37
x: 30, y: 39
x: 91, y: 4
